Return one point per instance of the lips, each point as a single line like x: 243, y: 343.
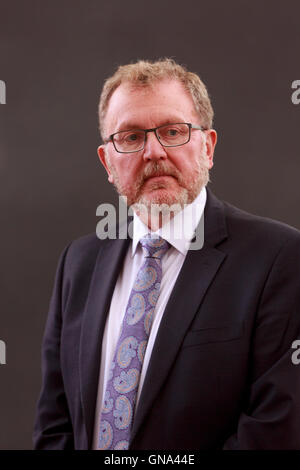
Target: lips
x: 158, y: 176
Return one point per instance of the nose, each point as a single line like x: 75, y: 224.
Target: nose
x: 153, y: 150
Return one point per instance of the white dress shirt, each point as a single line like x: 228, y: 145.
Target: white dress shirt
x: 178, y: 232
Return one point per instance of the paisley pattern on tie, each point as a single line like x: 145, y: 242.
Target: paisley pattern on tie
x: 127, y: 351
x: 123, y: 381
x: 127, y: 381
x: 136, y: 309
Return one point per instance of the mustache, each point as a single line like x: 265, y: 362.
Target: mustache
x: 158, y: 169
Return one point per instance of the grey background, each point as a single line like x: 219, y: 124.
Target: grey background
x: 54, y: 56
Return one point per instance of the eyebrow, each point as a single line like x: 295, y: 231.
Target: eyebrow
x: 130, y: 125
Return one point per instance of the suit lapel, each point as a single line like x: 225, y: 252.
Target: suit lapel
x: 108, y: 264
x: 179, y: 312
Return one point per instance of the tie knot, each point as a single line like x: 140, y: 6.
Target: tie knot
x: 154, y: 247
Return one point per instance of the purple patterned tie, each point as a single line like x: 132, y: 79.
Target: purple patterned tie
x: 121, y: 389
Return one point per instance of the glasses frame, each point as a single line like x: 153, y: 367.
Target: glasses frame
x: 154, y: 129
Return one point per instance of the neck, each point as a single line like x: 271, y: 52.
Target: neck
x: 156, y: 216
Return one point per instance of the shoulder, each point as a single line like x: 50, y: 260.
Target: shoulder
x: 84, y: 245
x: 262, y: 230
x: 81, y: 252
x: 246, y: 232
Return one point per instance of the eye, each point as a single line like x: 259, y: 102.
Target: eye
x: 169, y: 131
x: 172, y: 132
x: 133, y: 137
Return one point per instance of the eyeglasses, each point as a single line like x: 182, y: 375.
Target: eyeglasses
x: 168, y: 135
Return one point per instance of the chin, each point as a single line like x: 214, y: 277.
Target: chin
x: 164, y: 196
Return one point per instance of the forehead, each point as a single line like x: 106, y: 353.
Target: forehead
x: 150, y: 106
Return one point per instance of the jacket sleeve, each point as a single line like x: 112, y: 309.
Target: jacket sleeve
x: 53, y: 426
x: 271, y: 414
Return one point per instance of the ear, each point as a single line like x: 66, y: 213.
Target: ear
x: 211, y: 140
x: 104, y: 160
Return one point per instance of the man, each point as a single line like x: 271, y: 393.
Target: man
x: 214, y: 368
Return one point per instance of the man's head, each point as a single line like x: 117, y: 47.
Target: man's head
x: 145, y: 96
x: 147, y: 74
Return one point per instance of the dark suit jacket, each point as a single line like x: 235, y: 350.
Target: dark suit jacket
x: 221, y: 374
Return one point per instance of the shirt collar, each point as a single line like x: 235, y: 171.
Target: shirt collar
x: 179, y: 231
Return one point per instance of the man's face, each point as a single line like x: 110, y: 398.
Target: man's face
x: 156, y: 174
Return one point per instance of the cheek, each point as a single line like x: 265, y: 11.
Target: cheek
x: 187, y: 166
x: 127, y: 169
x: 187, y: 161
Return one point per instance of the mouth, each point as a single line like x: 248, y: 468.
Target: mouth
x: 158, y: 178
